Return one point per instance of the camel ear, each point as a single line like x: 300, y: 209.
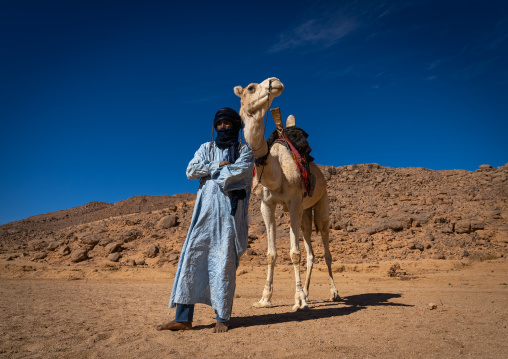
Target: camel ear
x: 239, y: 91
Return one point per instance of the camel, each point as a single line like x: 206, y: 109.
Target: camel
x: 278, y: 181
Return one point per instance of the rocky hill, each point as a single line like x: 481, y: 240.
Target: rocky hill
x: 377, y: 214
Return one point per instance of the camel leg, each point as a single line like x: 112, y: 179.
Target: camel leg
x: 295, y: 212
x: 322, y: 219
x: 268, y: 212
x: 307, y: 233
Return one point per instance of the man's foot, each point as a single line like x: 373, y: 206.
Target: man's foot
x: 220, y: 327
x: 172, y: 325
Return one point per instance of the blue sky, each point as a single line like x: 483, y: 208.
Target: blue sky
x: 104, y: 100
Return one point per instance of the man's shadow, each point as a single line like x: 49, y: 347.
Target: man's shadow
x: 319, y: 310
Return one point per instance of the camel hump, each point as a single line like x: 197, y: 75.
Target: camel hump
x: 291, y: 121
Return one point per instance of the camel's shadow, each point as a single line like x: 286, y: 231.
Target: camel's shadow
x: 320, y: 310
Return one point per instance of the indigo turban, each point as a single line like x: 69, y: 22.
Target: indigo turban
x: 230, y: 115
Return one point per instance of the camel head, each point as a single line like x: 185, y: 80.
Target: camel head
x: 257, y: 98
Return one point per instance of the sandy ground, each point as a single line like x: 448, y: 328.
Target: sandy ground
x: 106, y: 313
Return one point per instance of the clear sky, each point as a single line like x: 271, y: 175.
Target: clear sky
x: 104, y: 100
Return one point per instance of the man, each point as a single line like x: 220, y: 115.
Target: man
x: 217, y: 235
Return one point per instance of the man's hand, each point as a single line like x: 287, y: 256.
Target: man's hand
x: 224, y: 163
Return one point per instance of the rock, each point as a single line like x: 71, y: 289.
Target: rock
x: 39, y: 256
x: 90, y: 241
x: 130, y: 262
x: 383, y: 225
x: 462, y: 227
x: 167, y: 258
x: 419, y: 246
x: 37, y: 244
x: 53, y: 245
x: 432, y: 306
x: 251, y: 252
x: 113, y: 247
x: 477, y: 225
x: 335, y: 223
x: 447, y: 228
x: 130, y: 235
x: 114, y: 257
x: 130, y: 222
x: 64, y: 250
x: 167, y: 222
x: 140, y: 262
x: 79, y: 255
x: 484, y: 234
x: 485, y: 168
x: 421, y: 219
x: 438, y: 256
x: 105, y: 241
x: 152, y: 251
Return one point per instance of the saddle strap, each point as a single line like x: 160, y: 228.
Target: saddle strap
x: 301, y: 162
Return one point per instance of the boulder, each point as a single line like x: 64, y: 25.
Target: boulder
x: 485, y: 168
x: 130, y: 235
x: 113, y: 247
x: 90, y: 240
x: 64, y: 250
x: 105, y: 241
x: 477, y: 225
x: 53, y: 245
x: 167, y: 222
x: 37, y: 244
x: 152, y: 251
x: 114, y: 257
x: 79, y: 255
x: 462, y: 227
x: 384, y: 224
x: 39, y: 256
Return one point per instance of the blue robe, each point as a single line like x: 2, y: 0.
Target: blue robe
x: 210, y: 255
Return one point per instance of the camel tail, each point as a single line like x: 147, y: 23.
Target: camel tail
x: 315, y: 221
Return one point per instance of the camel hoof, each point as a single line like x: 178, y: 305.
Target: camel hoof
x: 263, y: 304
x: 335, y: 297
x: 297, y: 307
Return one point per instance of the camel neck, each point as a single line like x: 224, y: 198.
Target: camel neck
x: 255, y: 137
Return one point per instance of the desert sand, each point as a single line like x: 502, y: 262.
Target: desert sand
x: 439, y: 309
